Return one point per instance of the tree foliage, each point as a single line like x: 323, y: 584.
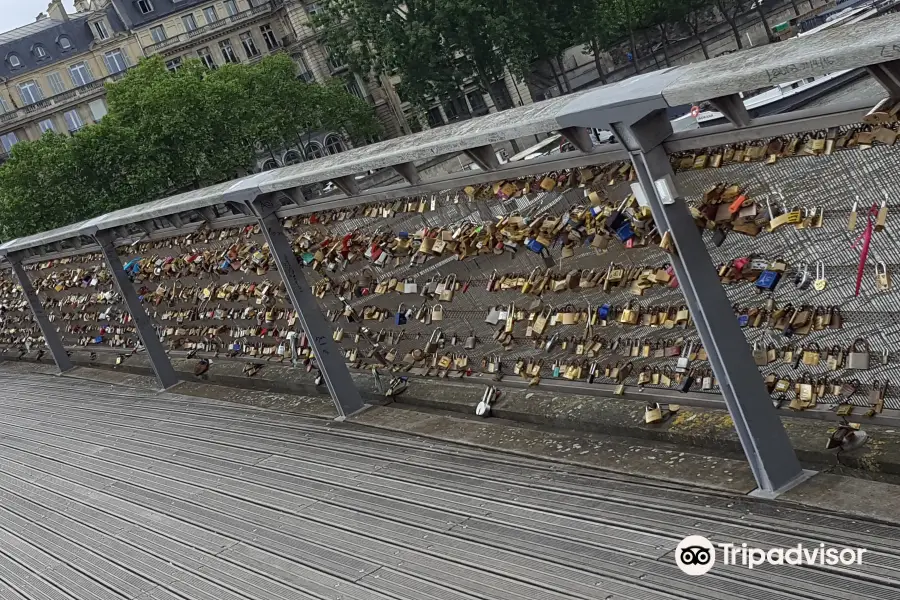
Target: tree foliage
x: 169, y: 132
x: 437, y: 46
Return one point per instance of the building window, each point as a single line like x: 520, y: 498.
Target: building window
x: 231, y: 7
x: 39, y: 52
x: 174, y: 64
x: 144, y: 6
x: 8, y: 140
x: 190, y: 23
x: 100, y: 31
x: 13, y: 60
x: 206, y: 58
x: 56, y: 83
x: 314, y: 150
x: 98, y: 108
x: 158, y: 34
x: 292, y: 157
x: 4, y: 108
x: 115, y: 61
x: 81, y: 74
x: 30, y: 92
x: 500, y: 92
x: 435, y: 119
x: 249, y: 46
x: 476, y: 101
x: 334, y: 62
x: 269, y: 37
x: 209, y: 13
x: 46, y: 125
x: 353, y: 88
x: 64, y: 42
x: 73, y: 121
x: 334, y: 145
x: 313, y: 8
x: 456, y: 109
x: 228, y: 54
x: 305, y: 74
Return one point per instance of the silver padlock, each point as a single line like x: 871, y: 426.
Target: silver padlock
x: 684, y: 361
x: 434, y: 341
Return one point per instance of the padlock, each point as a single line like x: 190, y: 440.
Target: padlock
x: 858, y: 356
x: 768, y: 280
x: 684, y: 361
x: 434, y: 341
x: 400, y: 317
x: 811, y: 355
x: 760, y: 355
x: 686, y: 383
x: 437, y: 313
x: 653, y: 414
x: 882, y: 277
x: 470, y: 342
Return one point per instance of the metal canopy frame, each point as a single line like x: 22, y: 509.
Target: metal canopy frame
x: 633, y: 108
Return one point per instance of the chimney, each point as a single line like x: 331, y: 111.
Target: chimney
x: 57, y: 11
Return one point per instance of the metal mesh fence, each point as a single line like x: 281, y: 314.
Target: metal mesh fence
x: 832, y: 183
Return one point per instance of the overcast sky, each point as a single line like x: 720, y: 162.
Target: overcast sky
x: 15, y: 13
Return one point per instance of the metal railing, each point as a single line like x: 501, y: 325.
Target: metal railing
x: 634, y: 109
x: 210, y: 28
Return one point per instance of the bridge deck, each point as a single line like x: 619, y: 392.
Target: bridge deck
x: 117, y: 492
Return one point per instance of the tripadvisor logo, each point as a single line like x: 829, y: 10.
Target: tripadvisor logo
x: 696, y: 555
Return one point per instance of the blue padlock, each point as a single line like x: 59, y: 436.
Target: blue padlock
x: 534, y: 245
x: 743, y: 320
x: 98, y: 339
x: 768, y: 280
x: 236, y: 347
x: 625, y: 232
x: 400, y: 317
x: 603, y: 312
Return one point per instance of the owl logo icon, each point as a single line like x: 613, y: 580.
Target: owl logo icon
x: 695, y: 555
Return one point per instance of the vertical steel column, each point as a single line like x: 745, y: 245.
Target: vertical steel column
x: 329, y: 358
x: 51, y: 336
x: 159, y: 360
x: 762, y: 435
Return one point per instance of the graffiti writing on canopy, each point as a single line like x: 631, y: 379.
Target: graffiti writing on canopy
x: 800, y: 69
x: 890, y: 51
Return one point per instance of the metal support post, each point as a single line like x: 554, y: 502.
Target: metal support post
x: 329, y: 358
x: 159, y: 360
x: 51, y: 336
x: 762, y: 435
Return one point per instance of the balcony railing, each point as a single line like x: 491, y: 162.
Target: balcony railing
x: 209, y: 28
x: 54, y: 102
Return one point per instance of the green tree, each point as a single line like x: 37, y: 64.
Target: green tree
x: 730, y: 9
x: 692, y: 17
x: 169, y: 132
x: 598, y: 24
x: 436, y: 46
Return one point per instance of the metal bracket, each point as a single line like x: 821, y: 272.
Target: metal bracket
x: 51, y: 336
x: 484, y: 157
x: 328, y: 355
x: 159, y: 360
x: 732, y: 106
x: 347, y: 184
x: 765, y: 442
x: 409, y: 172
x: 295, y: 194
x: 888, y: 75
x: 580, y: 137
